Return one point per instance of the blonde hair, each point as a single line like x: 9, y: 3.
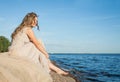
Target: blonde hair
x: 26, y: 22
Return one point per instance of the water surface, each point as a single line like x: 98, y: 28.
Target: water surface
x: 90, y: 67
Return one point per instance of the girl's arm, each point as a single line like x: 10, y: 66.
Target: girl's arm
x: 38, y: 44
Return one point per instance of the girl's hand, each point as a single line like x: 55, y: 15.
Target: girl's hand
x: 47, y: 56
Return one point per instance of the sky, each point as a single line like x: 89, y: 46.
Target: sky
x: 68, y: 26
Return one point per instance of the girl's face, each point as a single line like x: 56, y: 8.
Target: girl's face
x: 34, y: 23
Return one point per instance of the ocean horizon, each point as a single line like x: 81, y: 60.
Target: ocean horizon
x: 84, y: 53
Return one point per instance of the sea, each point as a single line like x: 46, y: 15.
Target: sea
x: 90, y: 67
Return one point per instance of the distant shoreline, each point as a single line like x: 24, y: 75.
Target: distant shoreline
x: 86, y: 53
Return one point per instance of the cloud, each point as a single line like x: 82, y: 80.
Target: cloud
x: 106, y: 17
x: 94, y: 18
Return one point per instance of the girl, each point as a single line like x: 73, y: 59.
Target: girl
x: 25, y: 44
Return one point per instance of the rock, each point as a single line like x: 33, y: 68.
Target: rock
x: 16, y: 69
x: 60, y: 78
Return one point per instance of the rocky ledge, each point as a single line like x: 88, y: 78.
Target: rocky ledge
x: 14, y: 69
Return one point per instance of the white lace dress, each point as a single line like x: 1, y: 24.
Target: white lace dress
x: 22, y: 46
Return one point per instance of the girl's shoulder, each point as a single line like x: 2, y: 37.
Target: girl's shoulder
x: 25, y: 29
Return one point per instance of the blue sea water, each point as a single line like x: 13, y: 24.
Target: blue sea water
x: 90, y: 67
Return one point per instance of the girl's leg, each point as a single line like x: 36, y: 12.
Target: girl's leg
x: 56, y: 69
x: 52, y: 66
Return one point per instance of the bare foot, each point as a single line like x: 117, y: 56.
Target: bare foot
x: 61, y: 72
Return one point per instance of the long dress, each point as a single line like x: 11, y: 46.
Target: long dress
x: 22, y: 46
